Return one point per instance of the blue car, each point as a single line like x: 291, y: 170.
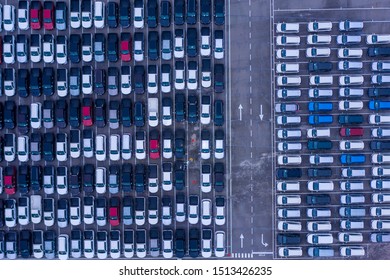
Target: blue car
x: 320, y: 106
x: 320, y: 119
x: 352, y: 159
x: 379, y: 105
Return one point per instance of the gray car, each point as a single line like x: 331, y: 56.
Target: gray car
x: 154, y: 241
x: 113, y: 82
x: 166, y: 45
x: 99, y: 47
x: 128, y: 209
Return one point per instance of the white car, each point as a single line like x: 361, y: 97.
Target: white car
x: 319, y: 26
x: 206, y: 77
x: 350, y: 105
x: 352, y: 251
x: 23, y: 211
x: 289, y: 80
x: 89, y: 244
x: 289, y: 160
x: 102, y: 244
x: 23, y: 148
x: 179, y: 75
x: 115, y: 147
x: 219, y: 243
x: 380, y: 197
x: 138, y: 14
x: 63, y: 247
x: 380, y: 158
x: 380, y: 184
x: 9, y: 18
x: 127, y: 146
x: 206, y: 212
x: 319, y: 226
x: 380, y: 132
x: 192, y: 75
x: 220, y: 217
x: 351, y: 145
x: 35, y: 50
x: 316, y: 39
x: 205, y: 178
x: 205, y: 110
x: 86, y: 16
x: 9, y: 49
x: 347, y: 237
x: 321, y: 80
x: 323, y: 238
x: 48, y: 48
x: 288, y: 199
x: 61, y: 50
x: 167, y: 244
x: 193, y: 210
x: 288, y: 93
x: 166, y: 81
x: 288, y: 40
x: 380, y: 224
x: 207, y: 237
x: 350, y: 92
x: 75, y: 211
x: 288, y: 186
x: 23, y: 16
x: 380, y: 211
x: 379, y: 119
x: 125, y: 82
x: 351, y: 224
x: 178, y: 44
x: 36, y: 115
x: 219, y: 145
x: 287, y: 54
x: 380, y: 171
x: 167, y: 146
x: 317, y: 52
x: 289, y: 213
x: 205, y: 39
x: 140, y: 148
x: 218, y: 45
x: 115, y: 244
x: 289, y: 226
x: 380, y: 79
x: 99, y: 14
x: 346, y: 80
x: 349, y: 53
x: 287, y: 27
x: 101, y: 147
x: 205, y: 148
x: 152, y: 79
x: 375, y: 39
x: 320, y: 93
x: 380, y: 66
x: 167, y: 176
x: 62, y: 180
x: 318, y: 132
x: 62, y: 147
x: 287, y: 68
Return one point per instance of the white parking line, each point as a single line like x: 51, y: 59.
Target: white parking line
x: 331, y: 9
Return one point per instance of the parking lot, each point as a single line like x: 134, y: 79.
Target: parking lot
x: 364, y: 193
x: 192, y: 158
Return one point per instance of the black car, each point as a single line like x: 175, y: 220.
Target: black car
x: 192, y: 11
x: 75, y: 180
x: 126, y: 105
x: 25, y: 244
x: 48, y: 146
x: 320, y: 66
x: 139, y: 79
x: 9, y: 114
x: 380, y: 145
x: 124, y: 13
x: 180, y: 114
x: 36, y: 82
x: 152, y: 13
x: 192, y: 109
x: 48, y: 81
x: 219, y: 176
x: 100, y: 81
x: 180, y: 143
x: 219, y: 12
x: 153, y: 45
x: 1, y: 119
x: 74, y: 112
x: 179, y: 179
x: 2, y: 217
x: 23, y: 83
x: 194, y: 243
x: 288, y: 239
x: 61, y: 115
x: 100, y: 112
x: 127, y: 177
x: 23, y: 119
x: 75, y: 48
x: 219, y: 78
x: 350, y: 119
x: 180, y: 243
x: 165, y: 13
x: 192, y: 42
x: 112, y: 14
x: 36, y: 178
x: 112, y: 50
x: 288, y: 173
x: 139, y: 114
x: 179, y: 16
x: 377, y: 92
x: 140, y: 175
x: 205, y: 11
x: 377, y: 52
x: 23, y: 180
x: 89, y: 178
x: 219, y: 118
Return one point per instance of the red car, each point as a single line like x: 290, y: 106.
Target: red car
x: 35, y: 15
x: 126, y: 47
x: 114, y: 211
x: 154, y: 144
x: 87, y: 112
x: 10, y: 180
x: 351, y: 131
x: 48, y: 15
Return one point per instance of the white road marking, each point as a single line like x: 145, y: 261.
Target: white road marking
x: 332, y: 9
x: 250, y: 34
x: 250, y: 122
x: 251, y: 144
x: 251, y: 155
x: 250, y: 67
x: 250, y: 100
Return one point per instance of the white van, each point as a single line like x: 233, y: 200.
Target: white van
x: 320, y: 252
x: 288, y: 120
x: 354, y: 224
x: 353, y: 172
x: 289, y: 160
x: 351, y: 186
x: 289, y: 226
x: 380, y: 224
x: 352, y: 198
x: 351, y: 92
x: 380, y: 197
x: 321, y: 80
x: 287, y: 54
x: 36, y: 115
x: 380, y: 211
x: 63, y: 247
x: 288, y: 199
x: 319, y: 226
x: 287, y: 68
x: 288, y: 80
x: 350, y: 237
x: 352, y: 251
x: 320, y: 93
x: 290, y: 251
x: 380, y: 158
x: 289, y: 146
x: 323, y: 238
x: 318, y: 212
x: 380, y: 171
x: 289, y: 133
x: 318, y: 132
x: 352, y: 212
x: 288, y: 186
x: 380, y: 132
x: 289, y: 213
x: 320, y: 159
x: 380, y: 79
x: 380, y: 184
x: 288, y: 93
x: 285, y: 40
x: 320, y: 186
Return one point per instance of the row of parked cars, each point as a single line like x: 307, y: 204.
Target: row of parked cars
x: 90, y: 179
x: 88, y: 47
x: 90, y: 112
x: 117, y: 211
x: 52, y: 15
x: 86, y: 80
x: 113, y: 244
